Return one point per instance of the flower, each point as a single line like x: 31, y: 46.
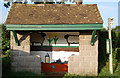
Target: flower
x: 50, y: 36
x: 55, y: 34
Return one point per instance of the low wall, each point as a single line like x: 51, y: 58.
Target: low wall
x: 26, y: 63
x: 86, y: 63
x: 21, y: 58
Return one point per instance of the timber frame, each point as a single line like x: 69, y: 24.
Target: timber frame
x: 15, y: 36
x: 93, y: 37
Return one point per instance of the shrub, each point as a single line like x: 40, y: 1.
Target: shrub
x: 5, y: 42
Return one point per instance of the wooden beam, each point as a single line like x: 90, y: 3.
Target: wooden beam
x: 110, y: 55
x: 93, y: 37
x: 55, y: 48
x: 15, y: 37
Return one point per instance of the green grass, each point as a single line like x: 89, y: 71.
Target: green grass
x: 105, y: 70
x: 22, y: 74
x: 7, y: 73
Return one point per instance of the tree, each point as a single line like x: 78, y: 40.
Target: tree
x: 117, y: 29
x: 5, y: 41
x: 7, y: 5
x: 104, y: 29
x: 116, y: 36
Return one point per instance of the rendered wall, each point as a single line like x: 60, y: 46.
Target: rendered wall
x: 61, y: 41
x: 21, y: 58
x: 86, y: 63
x: 54, y: 55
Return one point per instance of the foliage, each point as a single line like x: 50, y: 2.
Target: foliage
x: 22, y: 74
x: 116, y: 65
x: 7, y: 5
x: 103, y: 57
x: 6, y: 65
x: 5, y: 42
x: 118, y: 36
x: 114, y: 40
x: 71, y: 76
x: 104, y: 29
x: 6, y: 61
x: 116, y: 29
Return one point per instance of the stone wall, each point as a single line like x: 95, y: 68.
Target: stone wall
x: 21, y: 58
x: 26, y: 63
x: 87, y: 61
x: 24, y: 43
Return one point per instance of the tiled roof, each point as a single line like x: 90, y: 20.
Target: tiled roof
x: 54, y: 14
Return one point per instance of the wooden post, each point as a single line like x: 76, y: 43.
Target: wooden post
x: 44, y: 1
x: 15, y: 37
x: 93, y: 37
x: 110, y: 55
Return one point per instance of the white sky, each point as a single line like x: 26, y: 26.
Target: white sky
x: 101, y: 0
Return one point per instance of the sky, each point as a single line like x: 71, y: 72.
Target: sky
x: 107, y: 8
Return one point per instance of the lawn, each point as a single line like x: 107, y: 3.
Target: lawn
x: 22, y: 74
x: 7, y: 73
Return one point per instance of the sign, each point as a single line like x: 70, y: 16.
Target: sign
x: 112, y: 21
x: 108, y: 48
